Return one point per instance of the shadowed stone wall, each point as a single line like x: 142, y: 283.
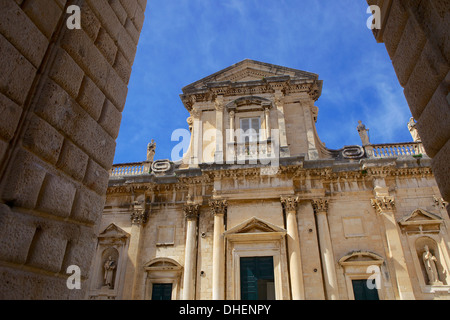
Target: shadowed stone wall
x: 416, y: 34
x: 62, y: 92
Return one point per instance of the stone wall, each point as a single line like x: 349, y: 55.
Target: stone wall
x: 62, y: 92
x: 416, y: 36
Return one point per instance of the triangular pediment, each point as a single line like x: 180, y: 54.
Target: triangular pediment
x: 254, y: 225
x: 251, y: 70
x: 113, y: 232
x: 420, y: 217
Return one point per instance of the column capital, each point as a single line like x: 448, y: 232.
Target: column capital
x: 289, y: 203
x: 191, y: 211
x: 320, y: 205
x: 196, y: 114
x: 383, y: 204
x: 139, y: 215
x: 218, y: 206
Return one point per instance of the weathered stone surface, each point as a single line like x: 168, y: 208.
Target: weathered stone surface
x: 56, y: 144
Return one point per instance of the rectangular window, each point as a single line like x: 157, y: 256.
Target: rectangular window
x: 162, y: 291
x: 257, y: 278
x: 251, y: 128
x: 362, y: 292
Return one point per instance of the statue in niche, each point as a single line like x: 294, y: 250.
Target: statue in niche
x: 109, y: 266
x: 151, y: 150
x: 363, y: 133
x: 412, y: 126
x: 430, y: 263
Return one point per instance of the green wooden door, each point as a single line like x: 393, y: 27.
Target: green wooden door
x: 162, y: 291
x: 257, y: 278
x: 362, y: 292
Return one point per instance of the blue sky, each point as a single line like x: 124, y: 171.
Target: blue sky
x: 185, y: 40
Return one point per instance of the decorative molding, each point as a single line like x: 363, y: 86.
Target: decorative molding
x: 219, y: 104
x: 139, y: 215
x: 218, y: 206
x: 320, y: 205
x: 421, y: 221
x: 361, y: 258
x: 383, y: 204
x: 440, y: 202
x: 289, y: 203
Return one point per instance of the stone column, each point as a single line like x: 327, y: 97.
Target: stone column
x: 218, y: 209
x: 191, y: 212
x: 197, y: 137
x: 232, y: 129
x: 385, y: 206
x: 326, y: 249
x: 138, y: 219
x: 231, y: 151
x: 293, y: 242
x: 267, y: 120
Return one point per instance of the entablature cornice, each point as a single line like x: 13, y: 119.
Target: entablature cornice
x: 227, y: 88
x: 296, y: 172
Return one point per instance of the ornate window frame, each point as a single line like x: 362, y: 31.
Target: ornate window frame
x: 256, y: 238
x: 163, y: 270
x: 356, y: 264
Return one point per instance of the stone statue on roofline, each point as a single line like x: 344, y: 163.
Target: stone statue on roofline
x: 151, y: 149
x: 363, y: 133
x: 412, y: 126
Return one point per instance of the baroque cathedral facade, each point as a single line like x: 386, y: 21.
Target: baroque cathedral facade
x: 258, y: 208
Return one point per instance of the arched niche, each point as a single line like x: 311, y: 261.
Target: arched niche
x: 423, y: 228
x: 112, y: 245
x: 432, y: 262
x: 108, y: 268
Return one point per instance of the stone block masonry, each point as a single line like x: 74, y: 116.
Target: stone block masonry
x: 416, y: 36
x: 62, y: 92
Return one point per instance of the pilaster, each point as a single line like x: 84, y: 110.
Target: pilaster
x: 385, y: 207
x: 138, y: 218
x: 191, y: 212
x: 294, y: 256
x: 218, y: 210
x: 219, y: 106
x: 326, y: 249
x: 279, y: 103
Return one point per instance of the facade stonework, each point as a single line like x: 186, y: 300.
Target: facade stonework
x: 316, y: 222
